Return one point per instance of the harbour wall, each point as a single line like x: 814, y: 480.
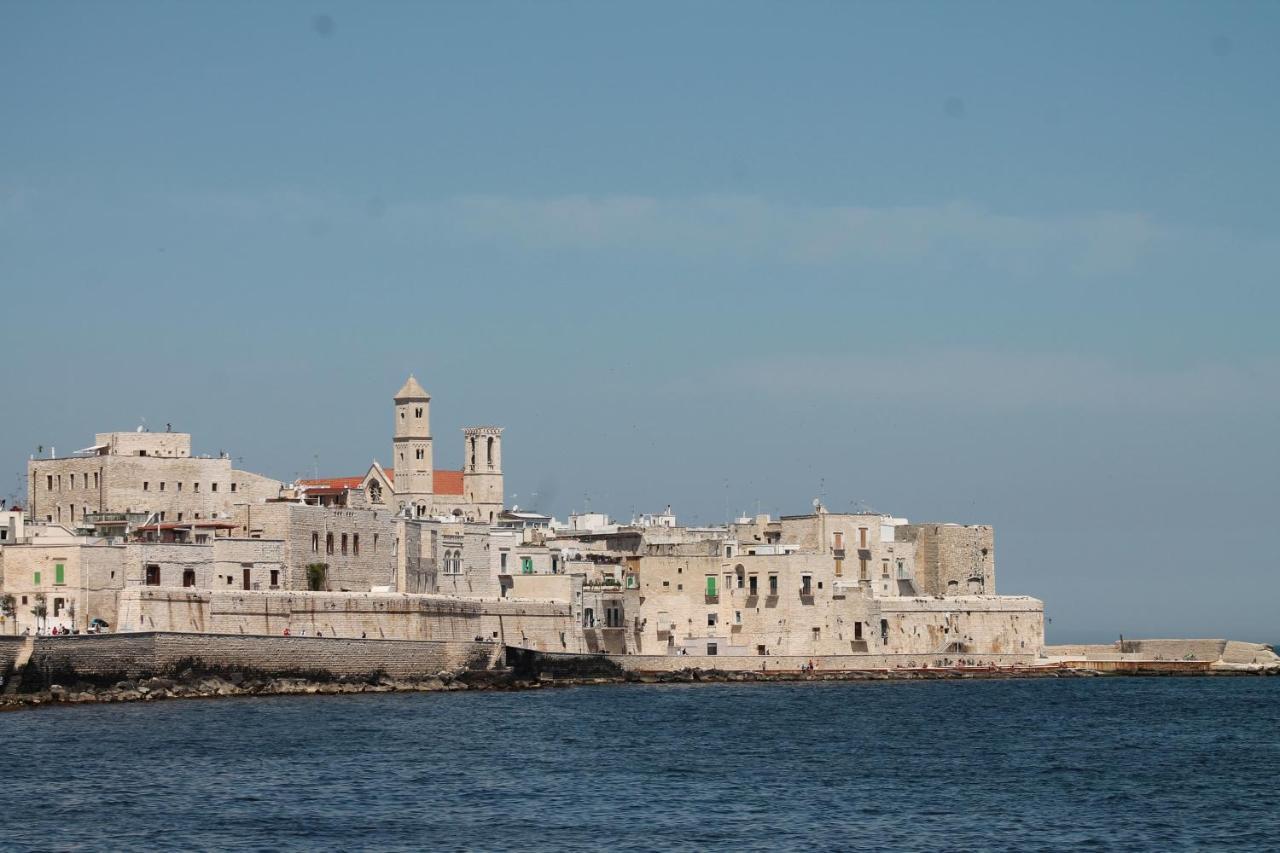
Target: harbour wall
x: 109, y: 658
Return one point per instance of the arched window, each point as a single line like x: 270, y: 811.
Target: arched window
x: 328, y: 543
x: 375, y: 492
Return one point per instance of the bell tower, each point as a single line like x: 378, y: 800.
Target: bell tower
x: 482, y: 470
x: 411, y: 448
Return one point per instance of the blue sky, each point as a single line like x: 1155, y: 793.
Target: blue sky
x: 1006, y: 263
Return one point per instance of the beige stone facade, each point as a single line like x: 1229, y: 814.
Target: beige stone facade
x: 140, y: 473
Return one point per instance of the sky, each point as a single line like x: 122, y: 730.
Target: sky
x: 978, y: 262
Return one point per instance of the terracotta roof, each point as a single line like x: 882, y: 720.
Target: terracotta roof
x: 447, y: 483
x: 334, y: 483
x: 181, y: 525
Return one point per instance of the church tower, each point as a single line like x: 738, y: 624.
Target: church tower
x: 482, y: 471
x: 411, y: 448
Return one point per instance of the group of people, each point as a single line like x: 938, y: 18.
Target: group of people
x: 58, y: 631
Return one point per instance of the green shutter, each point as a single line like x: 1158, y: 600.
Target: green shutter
x: 711, y: 585
x: 526, y: 565
x: 37, y: 580
x: 59, y: 573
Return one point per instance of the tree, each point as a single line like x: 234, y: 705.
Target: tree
x: 317, y: 573
x: 9, y: 609
x: 40, y: 610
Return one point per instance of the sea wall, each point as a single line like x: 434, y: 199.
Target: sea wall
x: 557, y: 665
x: 108, y: 658
x: 545, y: 625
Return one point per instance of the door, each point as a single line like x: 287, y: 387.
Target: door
x: 246, y: 579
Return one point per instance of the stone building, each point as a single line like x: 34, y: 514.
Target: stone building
x: 816, y: 584
x: 413, y: 485
x: 139, y: 473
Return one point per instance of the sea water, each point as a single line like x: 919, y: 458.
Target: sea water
x: 1156, y: 764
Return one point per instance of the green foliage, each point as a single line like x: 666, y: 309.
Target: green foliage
x: 41, y: 608
x: 316, y: 576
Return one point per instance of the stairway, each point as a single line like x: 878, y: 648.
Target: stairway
x: 20, y: 664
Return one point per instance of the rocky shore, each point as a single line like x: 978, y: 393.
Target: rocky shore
x: 238, y: 684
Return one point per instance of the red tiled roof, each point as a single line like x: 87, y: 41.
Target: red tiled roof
x: 334, y: 483
x: 445, y: 482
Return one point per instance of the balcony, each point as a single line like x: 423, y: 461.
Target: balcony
x: 806, y: 596
x: 712, y: 598
x: 752, y: 599
x: 771, y: 601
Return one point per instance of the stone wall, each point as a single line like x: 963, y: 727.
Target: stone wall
x: 108, y: 658
x: 948, y: 557
x: 564, y: 665
x: 182, y: 489
x: 544, y: 625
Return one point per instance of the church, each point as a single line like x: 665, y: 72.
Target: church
x: 412, y: 485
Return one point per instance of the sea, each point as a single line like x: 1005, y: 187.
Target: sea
x: 1132, y: 764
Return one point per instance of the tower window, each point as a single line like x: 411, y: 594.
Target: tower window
x: 417, y: 413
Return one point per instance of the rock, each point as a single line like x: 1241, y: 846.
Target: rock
x: 125, y: 685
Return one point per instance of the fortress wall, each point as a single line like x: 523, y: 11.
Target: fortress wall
x: 544, y: 625
x: 9, y: 648
x: 565, y: 665
x: 111, y: 657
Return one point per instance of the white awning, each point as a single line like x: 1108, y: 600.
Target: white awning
x: 93, y: 449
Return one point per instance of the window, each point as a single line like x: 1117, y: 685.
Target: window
x: 752, y: 586
x: 179, y: 516
x: 50, y: 483
x: 315, y: 543
x: 711, y: 585
x: 712, y: 648
x: 588, y: 618
x: 275, y: 578
x: 153, y: 575
x: 737, y: 617
x: 418, y: 454
x: 179, y: 487
x: 355, y: 544
x: 806, y: 585
x: 711, y: 620
x: 862, y: 570
x: 188, y: 577
x: 839, y: 567
x: 195, y: 487
x: 233, y: 487
x: 59, y: 573
x: 344, y: 544
x: 58, y: 604
x: 773, y: 585
x: 35, y: 579
x: 526, y: 565
x: 213, y: 487
x: 162, y: 485
x: 202, y: 538
x: 95, y: 479
x: 328, y: 543
x: 73, y: 481
x: 502, y: 561
x: 142, y: 453
x: 862, y: 537
x: 417, y: 413
x: 230, y: 580
x: 857, y: 630
x: 884, y: 568
x: 375, y: 543
x: 146, y: 487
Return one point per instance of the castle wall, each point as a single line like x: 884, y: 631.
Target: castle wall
x: 315, y: 534
x: 536, y: 624
x: 182, y: 488
x: 112, y: 657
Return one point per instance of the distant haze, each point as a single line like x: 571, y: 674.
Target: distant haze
x: 997, y: 263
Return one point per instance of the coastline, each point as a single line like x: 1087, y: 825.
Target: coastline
x: 234, y: 684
